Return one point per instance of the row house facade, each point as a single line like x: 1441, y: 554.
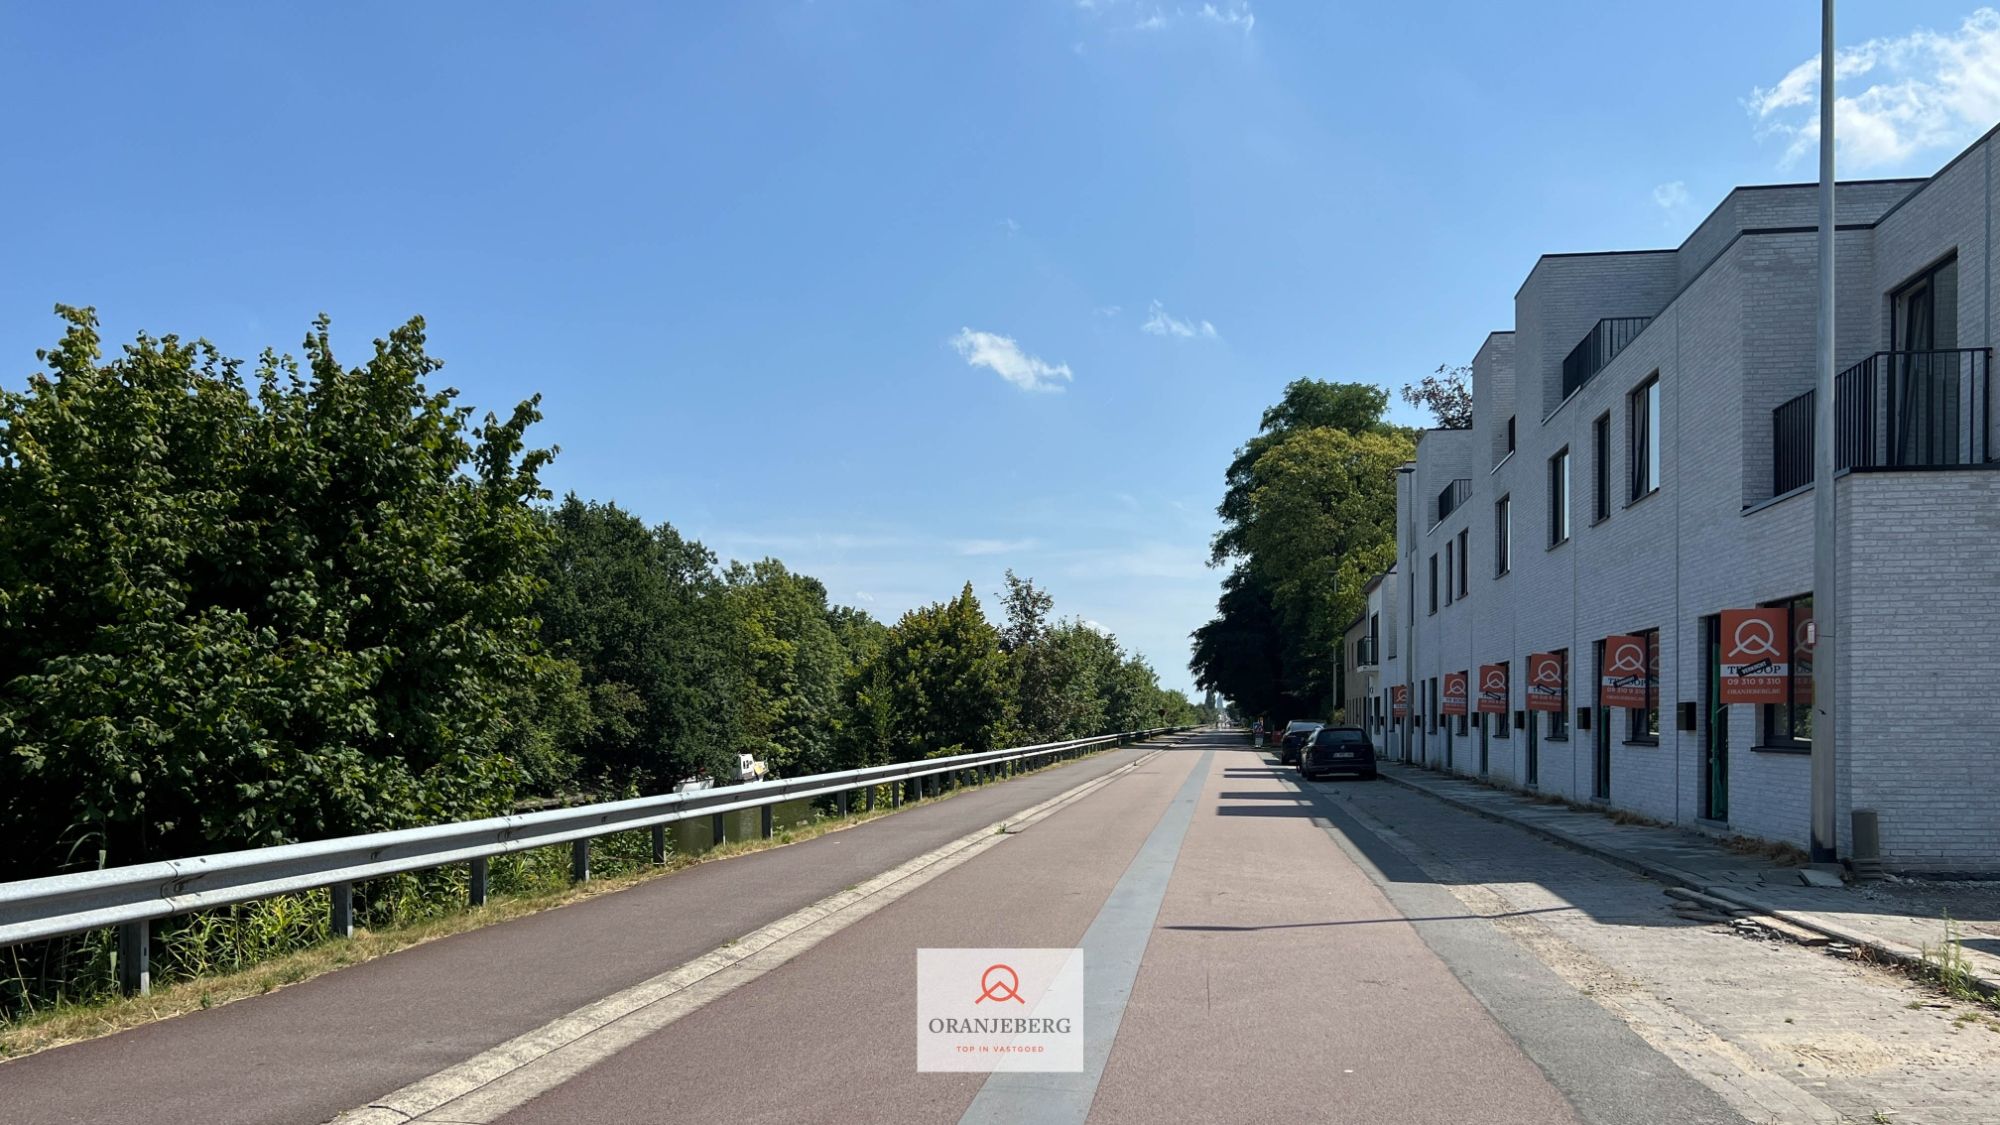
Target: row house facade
x: 1639, y: 473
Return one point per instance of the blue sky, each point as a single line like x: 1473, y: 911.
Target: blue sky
x: 905, y: 294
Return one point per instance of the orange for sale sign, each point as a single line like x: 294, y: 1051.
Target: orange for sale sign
x: 1625, y: 676
x: 1493, y: 689
x: 1755, y: 656
x: 1545, y: 681
x: 1399, y: 701
x: 1454, y: 693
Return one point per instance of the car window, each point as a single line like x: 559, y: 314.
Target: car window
x: 1340, y: 738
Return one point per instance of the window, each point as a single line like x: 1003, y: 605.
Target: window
x: 1559, y: 718
x: 1434, y: 583
x: 1374, y: 638
x: 1644, y: 726
x: 1503, y: 536
x: 1448, y: 585
x: 1431, y: 704
x: 1559, y: 499
x: 1600, y: 451
x: 1644, y: 405
x: 1790, y: 724
x: 1510, y: 433
x: 1464, y: 565
x: 1499, y: 722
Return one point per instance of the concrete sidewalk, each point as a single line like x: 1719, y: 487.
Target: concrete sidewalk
x: 1898, y: 919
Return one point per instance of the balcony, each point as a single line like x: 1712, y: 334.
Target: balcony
x: 1454, y: 494
x: 1598, y: 348
x: 1893, y: 410
x: 1364, y: 653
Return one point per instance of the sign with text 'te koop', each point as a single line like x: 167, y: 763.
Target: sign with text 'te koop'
x: 1756, y: 663
x: 1493, y: 689
x: 1545, y: 681
x: 1454, y: 693
x: 1625, y: 675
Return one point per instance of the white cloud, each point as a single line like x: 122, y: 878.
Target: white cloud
x: 1232, y: 15
x: 1161, y: 323
x: 1002, y: 356
x: 976, y: 548
x: 1109, y: 310
x: 1013, y: 228
x: 1896, y: 97
x: 1673, y: 196
x: 1236, y: 15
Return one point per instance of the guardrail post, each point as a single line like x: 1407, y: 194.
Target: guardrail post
x: 718, y: 829
x: 659, y: 843
x: 475, y: 894
x: 135, y: 954
x: 842, y: 796
x: 765, y: 818
x: 343, y: 909
x: 895, y: 794
x: 871, y: 798
x: 579, y: 860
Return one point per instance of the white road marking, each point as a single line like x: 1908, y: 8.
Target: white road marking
x: 491, y: 1084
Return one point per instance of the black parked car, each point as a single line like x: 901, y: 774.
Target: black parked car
x: 1297, y: 734
x: 1338, y: 750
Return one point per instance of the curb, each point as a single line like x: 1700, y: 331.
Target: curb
x: 1674, y: 876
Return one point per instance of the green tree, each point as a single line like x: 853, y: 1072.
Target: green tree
x: 795, y: 670
x: 1446, y: 393
x: 234, y: 616
x: 943, y: 680
x: 642, y: 613
x: 1302, y: 513
x: 1322, y: 522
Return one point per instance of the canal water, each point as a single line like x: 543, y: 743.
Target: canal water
x: 694, y: 836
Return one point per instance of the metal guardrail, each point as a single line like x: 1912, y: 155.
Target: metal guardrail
x: 130, y: 898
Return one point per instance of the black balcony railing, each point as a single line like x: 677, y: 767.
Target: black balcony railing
x: 1364, y: 653
x: 1599, y: 347
x: 1893, y: 410
x: 1454, y: 494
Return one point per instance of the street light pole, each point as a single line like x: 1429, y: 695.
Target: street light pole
x: 1825, y: 515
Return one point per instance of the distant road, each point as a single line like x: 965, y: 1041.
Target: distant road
x: 1250, y: 953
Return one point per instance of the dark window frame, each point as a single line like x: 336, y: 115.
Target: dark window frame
x: 1642, y: 727
x: 1600, y: 469
x: 1503, y: 535
x: 1434, y: 584
x: 1559, y: 497
x: 1510, y: 433
x: 1464, y: 563
x: 1559, y: 718
x: 1642, y: 409
x: 1787, y: 726
x: 1449, y: 585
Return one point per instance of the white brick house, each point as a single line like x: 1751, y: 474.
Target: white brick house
x: 1665, y: 386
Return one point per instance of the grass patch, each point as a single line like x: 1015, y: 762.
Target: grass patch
x: 206, y: 960
x: 1778, y: 852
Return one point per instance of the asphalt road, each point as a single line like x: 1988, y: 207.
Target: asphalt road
x: 1252, y: 953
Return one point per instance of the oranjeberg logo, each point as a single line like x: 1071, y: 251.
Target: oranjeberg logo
x: 1000, y: 983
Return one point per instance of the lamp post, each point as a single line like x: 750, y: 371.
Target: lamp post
x: 1825, y: 515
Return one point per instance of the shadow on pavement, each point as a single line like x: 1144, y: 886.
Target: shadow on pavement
x: 1378, y: 921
